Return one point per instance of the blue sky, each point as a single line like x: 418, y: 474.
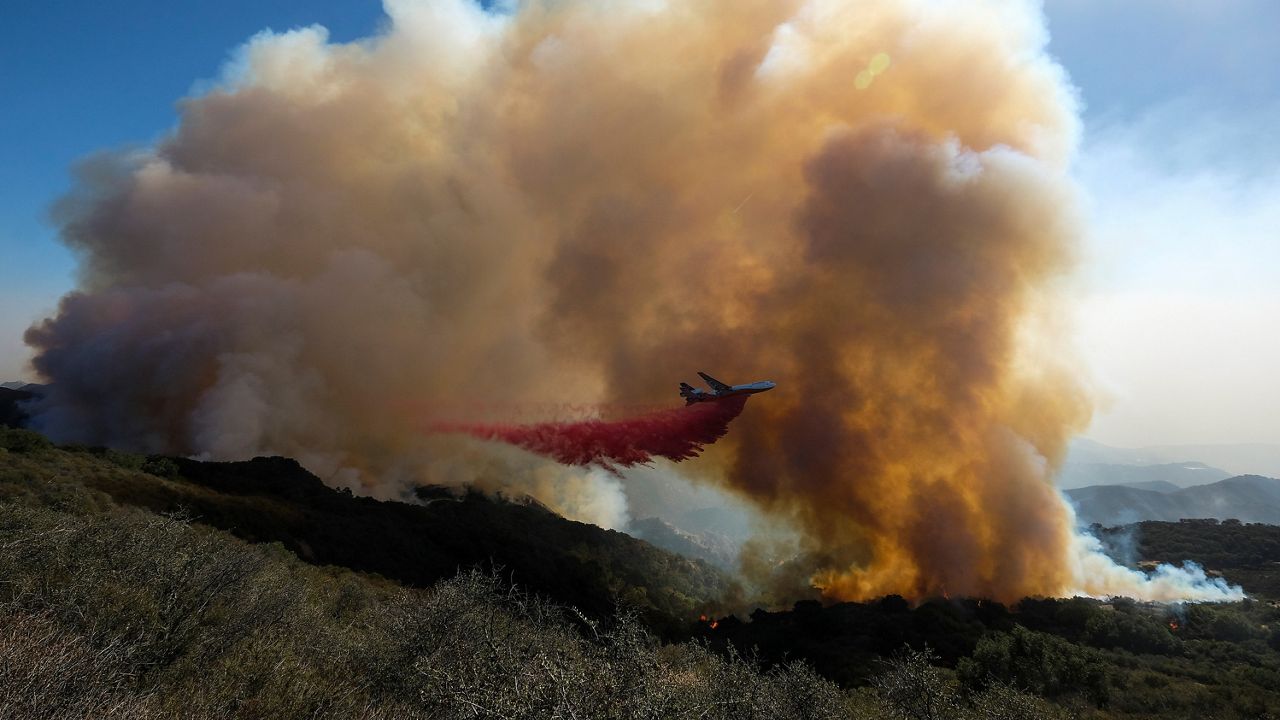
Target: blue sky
x: 1180, y: 168
x: 79, y: 76
x: 1180, y: 171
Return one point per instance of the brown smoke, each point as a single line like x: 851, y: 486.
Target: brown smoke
x: 866, y: 202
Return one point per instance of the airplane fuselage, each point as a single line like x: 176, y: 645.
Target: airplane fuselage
x: 719, y: 390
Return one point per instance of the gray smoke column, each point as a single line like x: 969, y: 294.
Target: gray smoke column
x: 866, y: 202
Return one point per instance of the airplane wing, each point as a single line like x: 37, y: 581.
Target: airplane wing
x: 713, y: 383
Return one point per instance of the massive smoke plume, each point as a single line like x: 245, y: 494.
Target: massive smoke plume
x: 866, y: 202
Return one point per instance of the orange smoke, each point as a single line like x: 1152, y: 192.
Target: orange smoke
x: 866, y: 201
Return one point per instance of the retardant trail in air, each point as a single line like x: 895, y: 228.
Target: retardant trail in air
x: 676, y: 434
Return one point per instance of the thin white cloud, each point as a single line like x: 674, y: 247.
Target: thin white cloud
x: 1183, y: 250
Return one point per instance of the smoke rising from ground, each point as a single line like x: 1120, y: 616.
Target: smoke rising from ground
x: 583, y: 200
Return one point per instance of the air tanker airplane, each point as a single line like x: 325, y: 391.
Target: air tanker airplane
x: 719, y: 390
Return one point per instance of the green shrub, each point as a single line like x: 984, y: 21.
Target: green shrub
x: 914, y: 689
x: 47, y: 672
x: 1134, y: 632
x: 160, y: 466
x: 188, y: 622
x: 126, y: 460
x: 1043, y: 664
x: 23, y: 441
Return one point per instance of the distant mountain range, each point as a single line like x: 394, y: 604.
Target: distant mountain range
x: 1248, y: 498
x: 1235, y: 459
x: 1168, y: 476
x: 717, y: 549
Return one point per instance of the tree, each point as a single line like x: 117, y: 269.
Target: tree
x: 916, y: 690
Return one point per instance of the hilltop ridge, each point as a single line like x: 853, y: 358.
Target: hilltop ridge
x: 1248, y: 498
x: 274, y: 499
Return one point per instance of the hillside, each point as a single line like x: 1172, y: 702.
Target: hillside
x: 716, y: 549
x: 1248, y: 498
x: 1247, y: 554
x: 110, y: 609
x: 276, y: 500
x: 1103, y: 659
x: 1155, y: 485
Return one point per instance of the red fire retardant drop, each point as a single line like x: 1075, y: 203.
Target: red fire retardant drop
x: 676, y: 434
